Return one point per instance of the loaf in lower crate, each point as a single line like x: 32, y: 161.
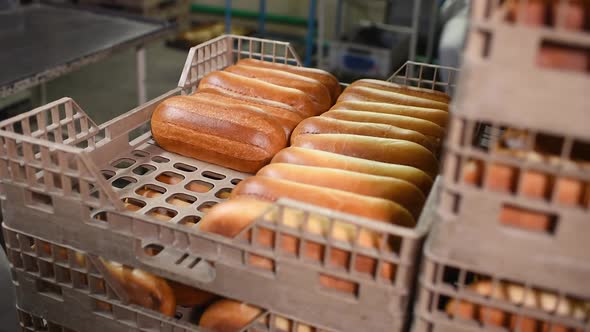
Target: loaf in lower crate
x: 142, y: 288
x: 239, y: 137
x: 232, y: 316
x: 519, y: 298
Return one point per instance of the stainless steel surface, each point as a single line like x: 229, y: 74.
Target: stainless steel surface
x: 51, y: 41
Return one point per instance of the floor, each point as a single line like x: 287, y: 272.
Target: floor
x: 108, y: 88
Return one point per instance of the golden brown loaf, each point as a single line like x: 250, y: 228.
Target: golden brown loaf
x: 327, y: 125
x: 311, y: 87
x: 238, y: 137
x: 299, y: 156
x: 228, y: 316
x: 260, y: 89
x: 232, y: 316
x: 286, y: 115
x: 231, y: 217
x: 407, y: 90
x: 424, y: 127
x: 271, y: 189
x: 288, y: 120
x: 431, y: 114
x: 327, y: 79
x: 362, y: 93
x: 399, y: 191
x: 385, y: 150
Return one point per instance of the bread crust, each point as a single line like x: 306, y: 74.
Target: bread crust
x: 239, y: 137
x: 309, y: 157
x: 385, y: 150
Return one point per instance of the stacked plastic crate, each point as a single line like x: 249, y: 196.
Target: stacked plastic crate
x: 74, y: 194
x: 511, y: 252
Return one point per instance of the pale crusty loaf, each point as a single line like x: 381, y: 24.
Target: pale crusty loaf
x: 386, y: 150
x: 271, y: 189
x: 399, y: 191
x: 259, y: 89
x: 327, y: 79
x: 288, y: 120
x: 424, y: 127
x: 404, y: 89
x: 239, y: 137
x: 311, y: 87
x: 431, y: 114
x: 362, y: 93
x: 328, y: 125
x: 300, y: 156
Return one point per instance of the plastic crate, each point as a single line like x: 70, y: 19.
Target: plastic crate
x: 446, y: 276
x: 54, y: 291
x: 505, y: 91
x: 67, y: 181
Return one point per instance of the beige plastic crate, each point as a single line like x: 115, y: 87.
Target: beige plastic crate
x: 56, y: 292
x: 67, y: 180
x: 449, y: 276
x: 526, y: 107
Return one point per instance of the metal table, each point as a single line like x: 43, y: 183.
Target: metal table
x: 40, y: 42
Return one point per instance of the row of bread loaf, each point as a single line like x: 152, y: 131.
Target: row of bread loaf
x: 365, y: 165
x: 242, y: 116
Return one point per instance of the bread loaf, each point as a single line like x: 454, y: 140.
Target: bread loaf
x: 324, y: 77
x: 517, y: 296
x: 407, y: 90
x: 259, y: 89
x: 328, y: 125
x: 228, y: 316
x: 399, y: 191
x: 424, y: 127
x: 431, y: 114
x: 143, y: 289
x: 232, y: 316
x: 362, y: 93
x: 299, y: 156
x: 311, y: 87
x: 385, y: 150
x: 238, y: 137
x: 284, y: 114
x: 231, y: 217
x: 271, y: 189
